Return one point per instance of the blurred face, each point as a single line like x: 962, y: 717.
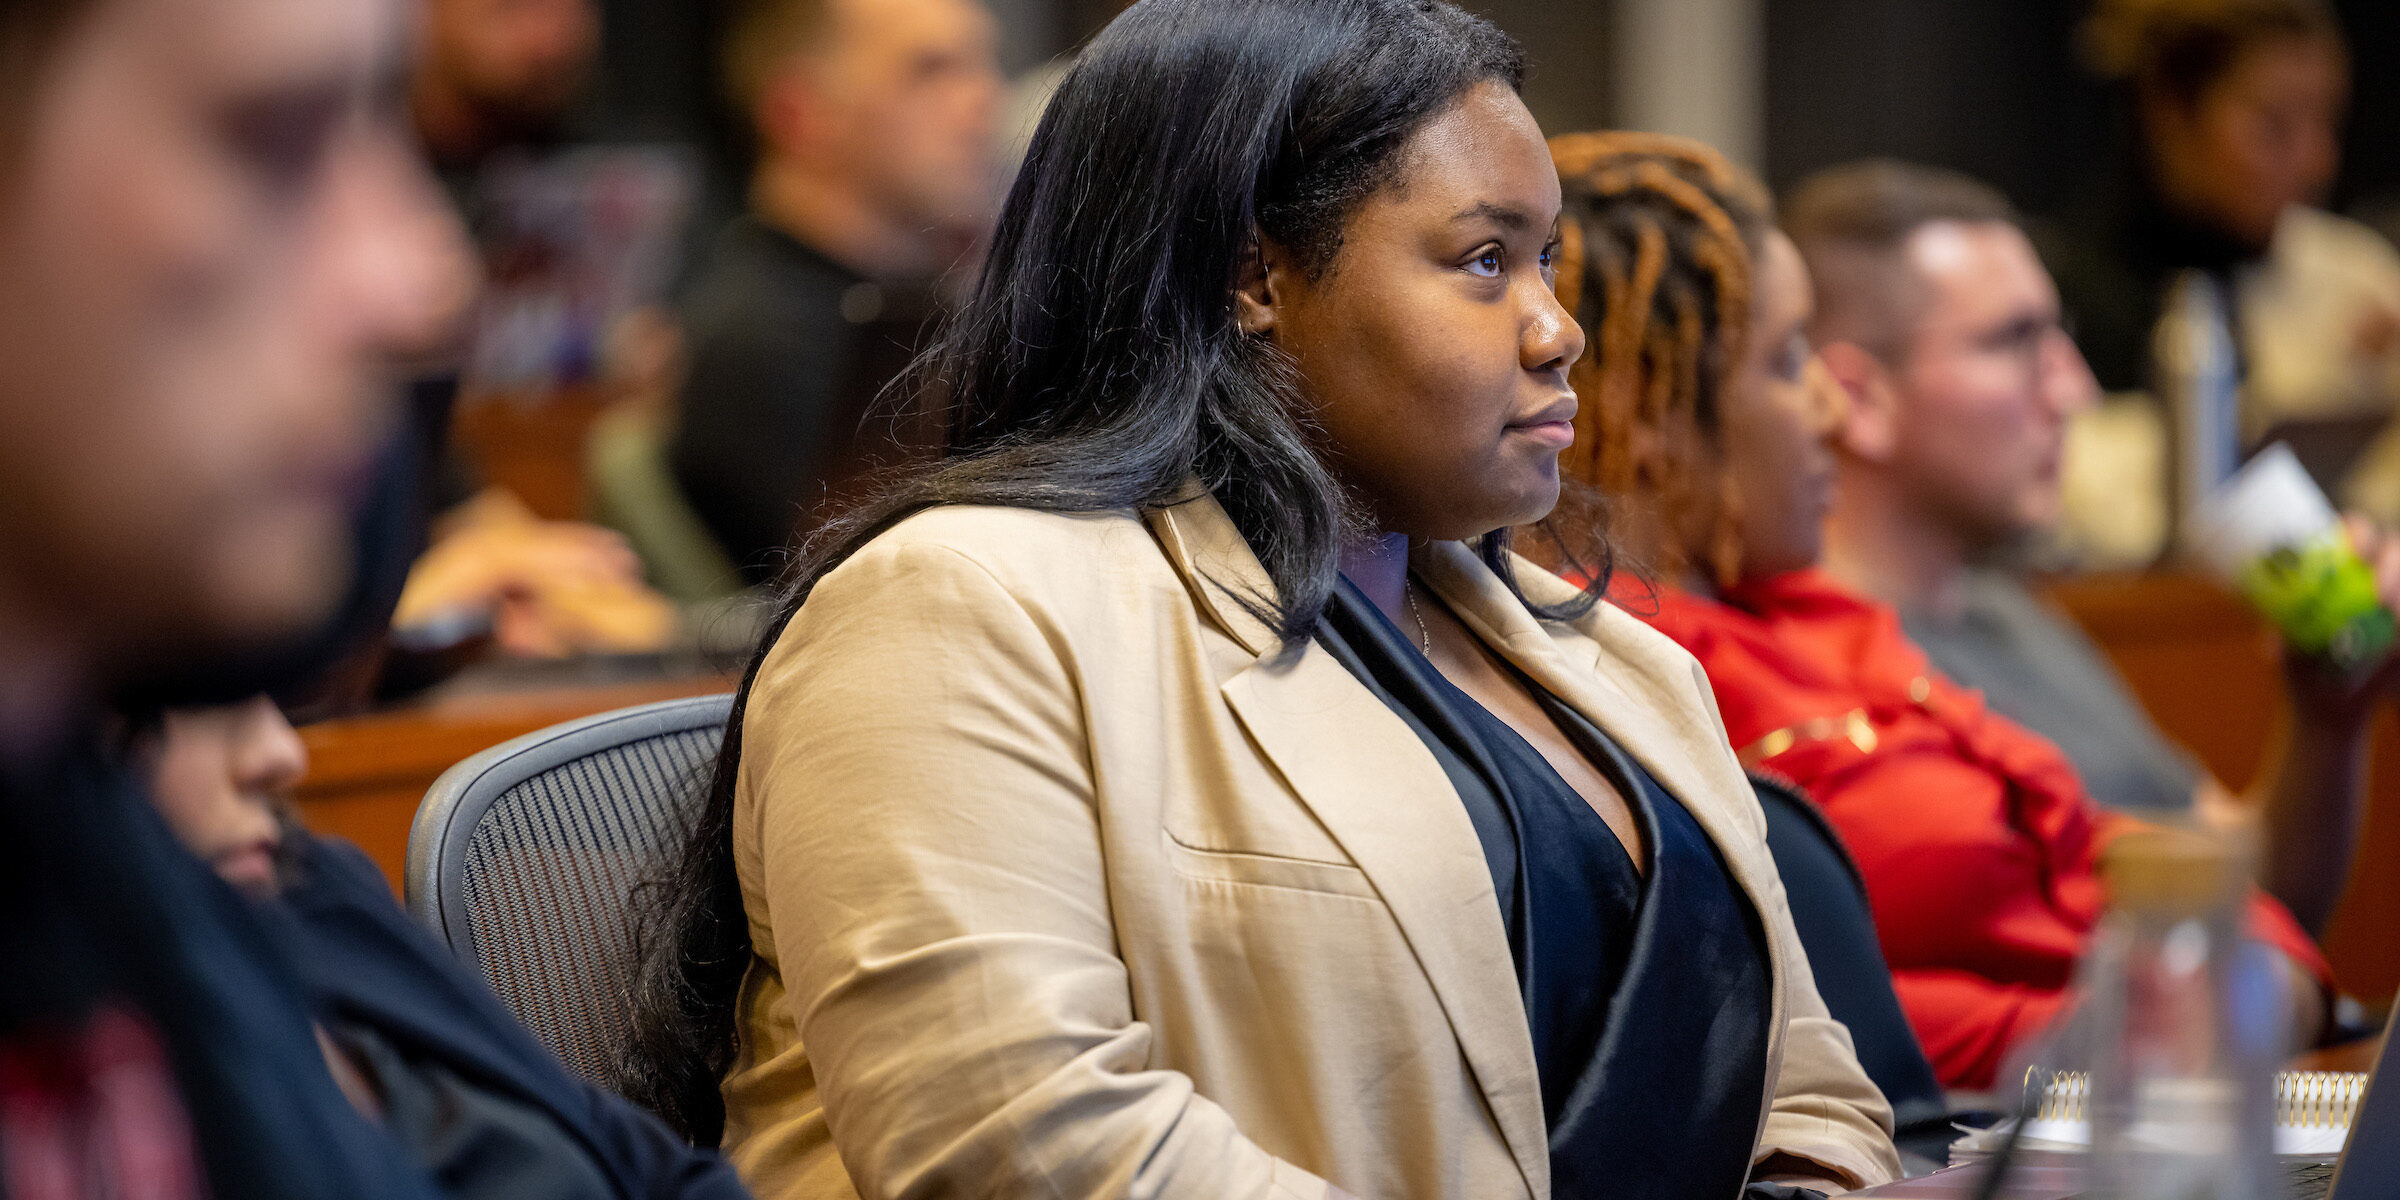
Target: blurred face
x: 524, y: 61
x: 1433, y: 348
x: 1778, y: 413
x: 909, y: 94
x: 1986, y: 385
x: 221, y: 777
x: 2264, y: 138
x: 214, y: 237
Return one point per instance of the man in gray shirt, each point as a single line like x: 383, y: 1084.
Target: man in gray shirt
x: 1938, y: 319
x: 2042, y: 672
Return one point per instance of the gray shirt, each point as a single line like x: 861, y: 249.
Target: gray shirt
x: 2037, y: 669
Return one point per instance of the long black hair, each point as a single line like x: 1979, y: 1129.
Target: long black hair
x: 1097, y: 365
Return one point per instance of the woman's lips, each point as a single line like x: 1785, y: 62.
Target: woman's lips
x: 1559, y: 434
x: 249, y: 867
x: 1553, y: 426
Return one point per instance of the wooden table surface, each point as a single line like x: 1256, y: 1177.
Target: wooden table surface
x: 367, y: 773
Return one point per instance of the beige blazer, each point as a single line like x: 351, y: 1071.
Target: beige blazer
x: 1065, y: 883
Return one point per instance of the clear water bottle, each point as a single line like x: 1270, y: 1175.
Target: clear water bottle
x: 2196, y: 374
x: 2183, y: 1020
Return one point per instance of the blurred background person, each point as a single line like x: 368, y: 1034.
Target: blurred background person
x: 2237, y: 114
x: 417, y: 1042
x: 498, y: 75
x: 876, y: 135
x: 216, y: 242
x: 499, y: 84
x: 1706, y: 421
x: 1935, y: 316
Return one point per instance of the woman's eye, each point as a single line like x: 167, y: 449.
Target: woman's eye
x: 1550, y: 260
x: 1487, y: 264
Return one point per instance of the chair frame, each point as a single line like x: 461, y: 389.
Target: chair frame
x: 435, y: 880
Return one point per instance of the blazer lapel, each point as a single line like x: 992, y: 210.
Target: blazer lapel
x: 1692, y: 763
x: 1364, y: 775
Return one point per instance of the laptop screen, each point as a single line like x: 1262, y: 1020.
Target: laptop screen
x: 2370, y: 1166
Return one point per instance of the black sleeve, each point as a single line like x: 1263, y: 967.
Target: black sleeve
x: 372, y: 968
x: 755, y: 427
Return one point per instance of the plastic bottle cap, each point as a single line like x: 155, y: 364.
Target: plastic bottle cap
x: 2179, y: 871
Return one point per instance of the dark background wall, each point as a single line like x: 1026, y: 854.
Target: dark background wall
x: 1566, y: 40
x: 1992, y: 87
x: 1989, y: 87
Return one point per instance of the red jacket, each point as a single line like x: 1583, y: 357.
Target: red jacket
x: 1976, y: 839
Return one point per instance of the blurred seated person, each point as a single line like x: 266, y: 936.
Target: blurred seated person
x: 493, y: 75
x: 875, y: 132
x: 1936, y: 318
x: 498, y: 76
x: 1705, y: 423
x: 2235, y: 109
x: 420, y: 1045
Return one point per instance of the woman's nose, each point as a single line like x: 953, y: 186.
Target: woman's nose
x: 268, y: 755
x: 1552, y: 341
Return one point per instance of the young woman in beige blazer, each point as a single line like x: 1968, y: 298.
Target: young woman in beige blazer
x: 1182, y: 792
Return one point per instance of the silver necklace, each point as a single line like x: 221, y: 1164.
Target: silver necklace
x: 1425, y: 637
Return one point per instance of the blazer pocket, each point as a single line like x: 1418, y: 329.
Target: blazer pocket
x: 1248, y: 869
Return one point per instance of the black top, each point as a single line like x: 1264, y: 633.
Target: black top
x: 2114, y: 258
x: 780, y: 421
x: 1647, y: 995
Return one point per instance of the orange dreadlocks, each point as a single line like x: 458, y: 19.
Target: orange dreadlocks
x: 1657, y: 242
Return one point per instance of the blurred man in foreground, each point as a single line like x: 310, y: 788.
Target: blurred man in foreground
x: 875, y: 133
x: 213, y: 236
x: 215, y: 243
x: 1937, y: 318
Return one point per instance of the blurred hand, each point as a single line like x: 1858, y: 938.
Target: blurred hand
x: 549, y: 588
x: 2324, y: 694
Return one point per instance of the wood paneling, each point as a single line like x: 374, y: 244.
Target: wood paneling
x: 531, y: 444
x: 2204, y: 665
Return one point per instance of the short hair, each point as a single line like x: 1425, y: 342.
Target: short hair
x: 761, y: 37
x: 30, y: 34
x: 2179, y: 49
x: 1853, y: 223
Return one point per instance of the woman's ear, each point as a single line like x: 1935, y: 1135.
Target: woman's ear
x: 1257, y: 288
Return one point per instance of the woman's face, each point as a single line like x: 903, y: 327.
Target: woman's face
x: 1777, y: 417
x: 2264, y: 138
x: 221, y: 777
x: 1432, y: 349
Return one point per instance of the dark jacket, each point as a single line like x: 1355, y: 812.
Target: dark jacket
x: 106, y: 923
x: 488, y: 1109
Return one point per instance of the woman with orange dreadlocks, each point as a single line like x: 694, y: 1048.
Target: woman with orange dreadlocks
x: 1704, y: 421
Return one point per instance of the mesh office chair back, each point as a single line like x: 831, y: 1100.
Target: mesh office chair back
x: 527, y: 859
